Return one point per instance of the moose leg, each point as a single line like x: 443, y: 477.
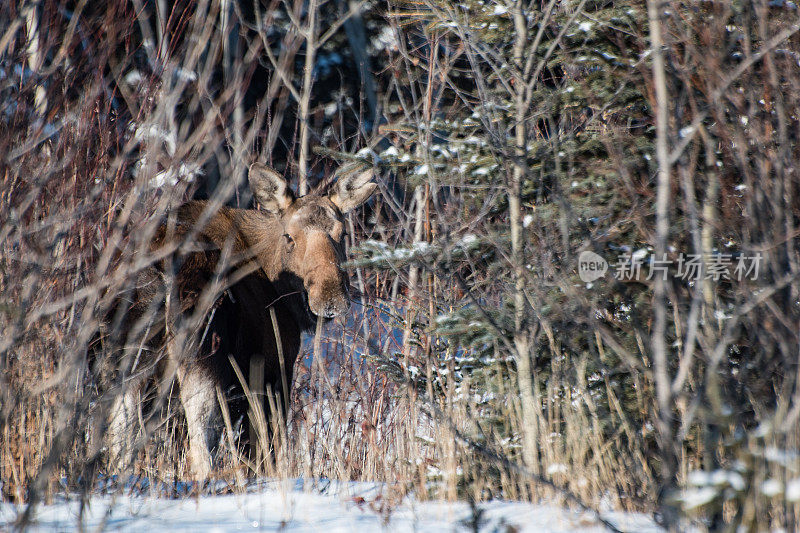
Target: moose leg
x: 203, y: 417
x: 122, y: 427
x: 196, y: 383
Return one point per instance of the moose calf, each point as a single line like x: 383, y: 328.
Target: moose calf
x: 244, y: 262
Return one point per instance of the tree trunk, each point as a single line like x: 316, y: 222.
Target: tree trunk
x: 521, y: 337
x: 658, y: 341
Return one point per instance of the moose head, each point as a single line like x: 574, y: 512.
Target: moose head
x: 308, y: 241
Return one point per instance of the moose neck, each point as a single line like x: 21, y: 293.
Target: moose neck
x: 258, y: 238
x: 254, y: 237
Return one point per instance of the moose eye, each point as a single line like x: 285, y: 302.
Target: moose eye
x: 289, y: 242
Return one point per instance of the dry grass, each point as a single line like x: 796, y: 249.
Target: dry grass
x: 92, y: 164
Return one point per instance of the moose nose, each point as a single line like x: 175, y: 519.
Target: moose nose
x: 334, y: 310
x: 335, y: 307
x: 330, y: 309
x: 328, y: 300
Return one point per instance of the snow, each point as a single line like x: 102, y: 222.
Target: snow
x: 386, y: 39
x: 149, y: 132
x: 291, y: 505
x: 793, y: 490
x: 720, y: 477
x: 771, y: 488
x: 392, y: 151
x: 783, y: 457
x: 186, y: 75
x: 527, y: 220
x: 469, y: 239
x: 694, y: 498
x: 133, y: 77
x: 330, y: 109
x: 170, y: 177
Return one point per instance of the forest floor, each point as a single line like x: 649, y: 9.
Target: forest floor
x: 323, y: 506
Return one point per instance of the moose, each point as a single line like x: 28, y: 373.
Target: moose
x: 282, y: 264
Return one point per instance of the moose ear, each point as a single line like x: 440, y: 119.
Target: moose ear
x: 269, y: 188
x: 353, y: 190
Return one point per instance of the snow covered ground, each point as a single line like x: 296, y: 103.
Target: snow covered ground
x: 327, y: 507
